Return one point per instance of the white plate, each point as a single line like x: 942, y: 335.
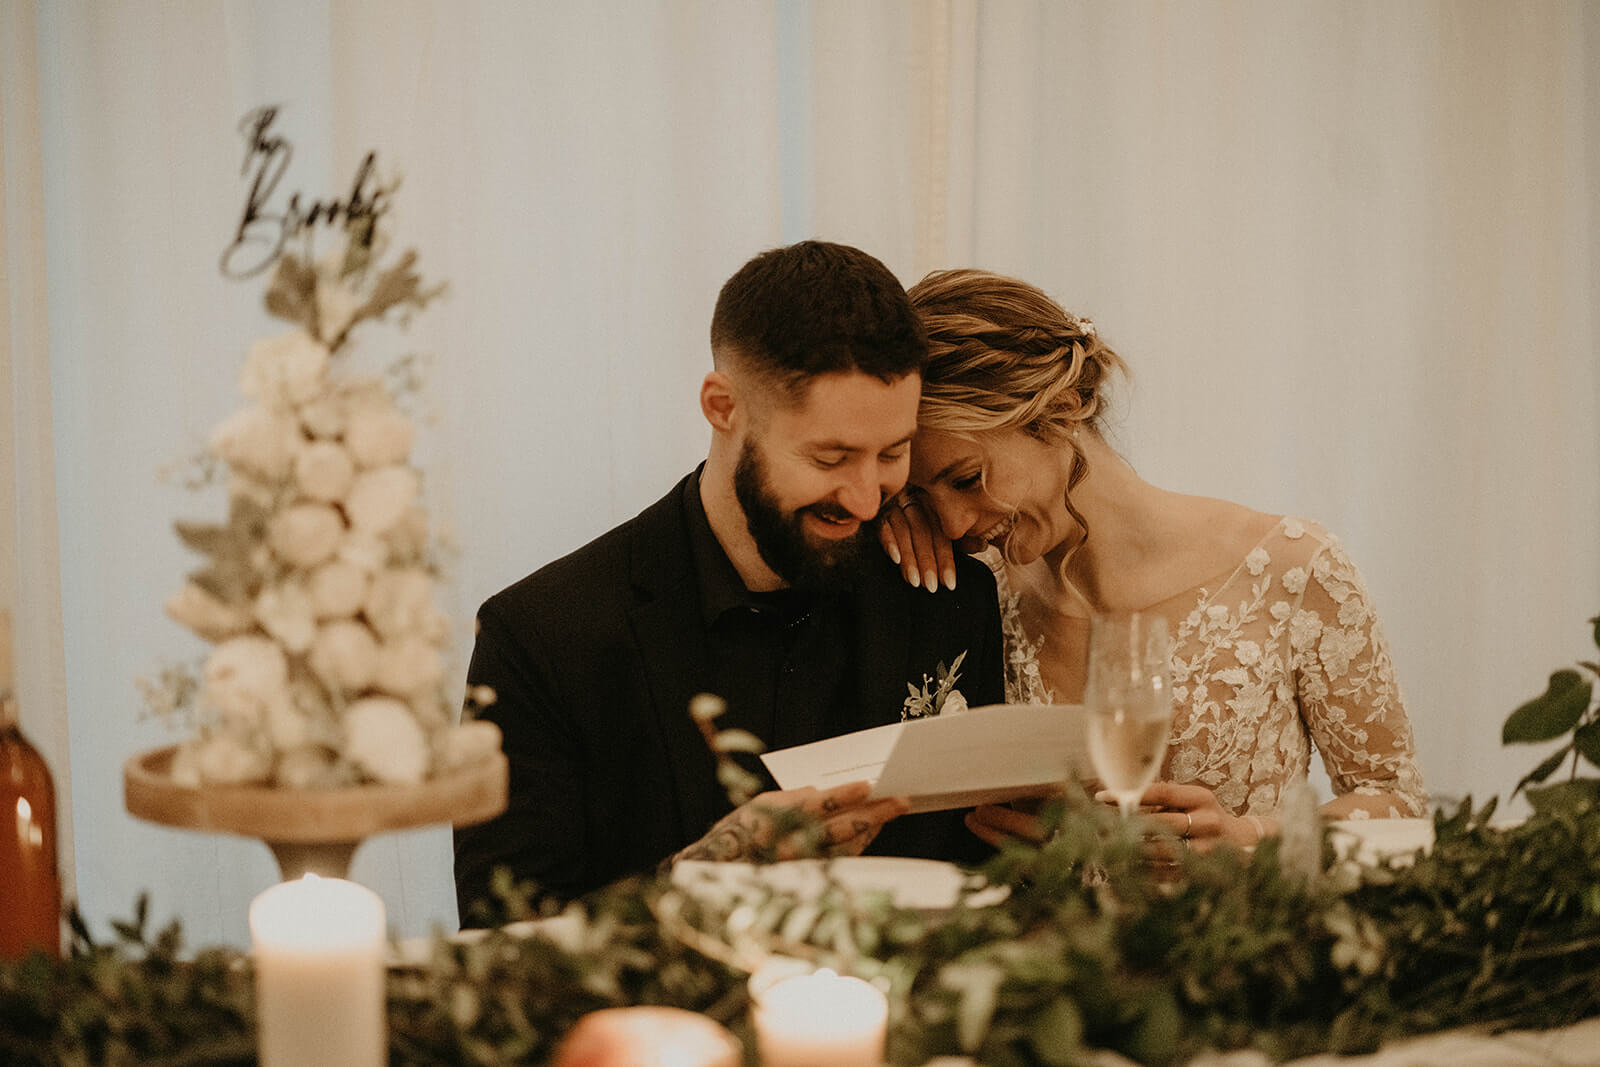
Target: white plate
x: 925, y: 885
x: 1370, y: 840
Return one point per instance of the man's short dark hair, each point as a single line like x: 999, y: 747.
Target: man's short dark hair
x: 814, y: 308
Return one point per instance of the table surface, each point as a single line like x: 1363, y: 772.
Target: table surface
x: 1577, y: 1045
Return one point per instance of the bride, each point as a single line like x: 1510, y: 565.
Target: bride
x: 1276, y: 645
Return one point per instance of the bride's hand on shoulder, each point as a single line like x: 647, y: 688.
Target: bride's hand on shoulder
x: 910, y: 535
x: 1193, y: 813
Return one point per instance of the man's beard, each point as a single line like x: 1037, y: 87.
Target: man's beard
x: 781, y: 538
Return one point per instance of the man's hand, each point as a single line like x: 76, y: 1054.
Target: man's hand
x: 1016, y: 820
x: 796, y: 824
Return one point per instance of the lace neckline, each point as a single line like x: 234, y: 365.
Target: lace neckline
x: 1202, y: 592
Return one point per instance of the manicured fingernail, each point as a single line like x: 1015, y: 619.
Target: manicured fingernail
x: 894, y: 553
x: 950, y: 578
x: 930, y: 581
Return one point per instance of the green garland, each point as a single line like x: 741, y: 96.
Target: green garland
x: 1094, y: 947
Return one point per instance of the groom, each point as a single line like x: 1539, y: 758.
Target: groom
x: 757, y: 578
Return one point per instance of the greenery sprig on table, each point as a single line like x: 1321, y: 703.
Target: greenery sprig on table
x: 1497, y: 925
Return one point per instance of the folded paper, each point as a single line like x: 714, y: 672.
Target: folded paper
x: 987, y: 755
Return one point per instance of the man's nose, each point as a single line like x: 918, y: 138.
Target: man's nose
x: 866, y: 492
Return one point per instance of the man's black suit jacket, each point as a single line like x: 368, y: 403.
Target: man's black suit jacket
x: 594, y: 658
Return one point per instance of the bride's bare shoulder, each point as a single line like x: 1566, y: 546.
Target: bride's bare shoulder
x: 1227, y: 529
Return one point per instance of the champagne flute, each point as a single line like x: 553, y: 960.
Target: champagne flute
x: 1128, y: 695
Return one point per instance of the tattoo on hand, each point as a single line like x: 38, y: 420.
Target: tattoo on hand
x: 737, y: 837
x: 721, y: 844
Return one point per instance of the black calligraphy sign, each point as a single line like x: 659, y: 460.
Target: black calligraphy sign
x: 265, y: 229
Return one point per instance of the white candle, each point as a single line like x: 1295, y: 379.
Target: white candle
x: 319, y: 955
x: 820, y: 1020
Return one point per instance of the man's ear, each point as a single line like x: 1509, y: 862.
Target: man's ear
x: 719, y: 402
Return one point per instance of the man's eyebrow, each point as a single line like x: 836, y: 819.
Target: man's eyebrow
x: 841, y: 446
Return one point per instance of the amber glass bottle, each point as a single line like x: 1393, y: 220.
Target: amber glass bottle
x: 30, y: 887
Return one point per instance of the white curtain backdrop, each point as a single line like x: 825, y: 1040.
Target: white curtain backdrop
x: 1349, y: 248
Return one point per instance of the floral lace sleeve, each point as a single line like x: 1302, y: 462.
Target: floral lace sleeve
x: 1349, y: 699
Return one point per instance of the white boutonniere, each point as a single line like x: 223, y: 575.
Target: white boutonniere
x: 945, y: 697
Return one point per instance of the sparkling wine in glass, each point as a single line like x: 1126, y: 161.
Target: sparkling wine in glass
x: 1128, y: 696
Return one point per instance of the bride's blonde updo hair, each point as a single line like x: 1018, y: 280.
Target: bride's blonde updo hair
x: 1004, y: 356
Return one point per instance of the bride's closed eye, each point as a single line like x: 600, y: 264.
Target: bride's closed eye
x: 966, y: 483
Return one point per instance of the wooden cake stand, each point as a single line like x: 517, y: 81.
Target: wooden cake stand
x: 312, y: 830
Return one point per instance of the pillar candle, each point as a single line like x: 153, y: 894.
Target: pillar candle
x: 319, y: 964
x: 820, y: 1020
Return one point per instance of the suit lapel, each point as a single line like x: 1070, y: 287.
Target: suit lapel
x: 883, y: 630
x: 670, y: 634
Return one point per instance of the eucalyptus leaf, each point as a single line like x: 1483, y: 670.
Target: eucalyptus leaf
x: 1057, y: 1033
x: 1552, y: 713
x: 739, y: 741
x: 1578, y: 795
x: 705, y: 707
x: 1586, y: 739
x: 1545, y: 768
x: 1157, y: 1035
x: 1596, y: 622
x: 978, y: 986
x: 738, y: 783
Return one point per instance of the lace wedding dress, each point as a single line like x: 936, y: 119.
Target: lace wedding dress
x: 1283, y: 654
